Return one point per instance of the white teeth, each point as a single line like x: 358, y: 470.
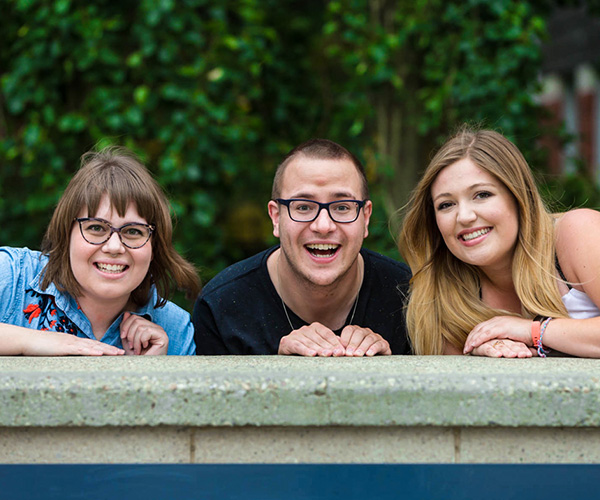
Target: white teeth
x: 317, y: 249
x: 322, y: 246
x: 475, y: 234
x: 111, y: 268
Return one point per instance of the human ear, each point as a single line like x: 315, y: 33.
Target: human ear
x: 367, y: 211
x: 273, y: 208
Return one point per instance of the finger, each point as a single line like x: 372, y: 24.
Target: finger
x: 505, y: 350
x: 372, y: 344
x: 291, y: 345
x: 351, y: 337
x: 477, y: 339
x: 84, y: 350
x: 520, y: 349
x: 136, y: 340
x: 94, y: 348
x: 322, y: 339
x: 124, y: 327
x: 525, y: 353
x: 381, y: 347
x: 486, y: 350
x: 362, y: 341
x: 134, y: 331
x: 127, y: 347
x: 154, y: 341
x: 311, y: 340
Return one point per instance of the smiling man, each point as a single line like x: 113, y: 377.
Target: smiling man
x: 318, y: 293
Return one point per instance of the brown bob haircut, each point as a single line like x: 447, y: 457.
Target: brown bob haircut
x: 319, y: 149
x: 117, y: 173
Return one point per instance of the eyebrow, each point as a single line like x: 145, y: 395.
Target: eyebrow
x: 470, y: 188
x: 339, y: 195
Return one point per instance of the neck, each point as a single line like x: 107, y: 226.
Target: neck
x: 329, y: 305
x: 100, y: 316
x: 498, y: 291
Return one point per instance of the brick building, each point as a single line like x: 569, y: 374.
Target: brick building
x: 571, y: 89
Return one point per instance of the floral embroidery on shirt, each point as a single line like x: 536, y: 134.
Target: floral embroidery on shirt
x: 49, y: 317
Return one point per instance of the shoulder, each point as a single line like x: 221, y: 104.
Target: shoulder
x: 577, y: 230
x: 382, y: 263
x: 578, y: 221
x: 177, y: 323
x: 578, y: 243
x: 240, y: 274
x: 21, y: 254
x: 169, y: 316
x: 22, y: 260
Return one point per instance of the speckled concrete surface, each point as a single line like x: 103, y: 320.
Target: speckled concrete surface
x: 290, y: 391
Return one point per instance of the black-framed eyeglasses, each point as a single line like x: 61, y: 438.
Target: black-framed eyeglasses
x: 98, y: 231
x: 342, y: 211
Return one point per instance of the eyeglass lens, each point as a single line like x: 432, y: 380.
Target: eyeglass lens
x: 132, y: 235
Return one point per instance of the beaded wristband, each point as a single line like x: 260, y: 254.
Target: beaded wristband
x: 540, y: 347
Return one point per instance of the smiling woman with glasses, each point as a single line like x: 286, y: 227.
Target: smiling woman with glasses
x: 107, y: 267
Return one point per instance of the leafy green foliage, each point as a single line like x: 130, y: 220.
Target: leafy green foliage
x: 213, y: 94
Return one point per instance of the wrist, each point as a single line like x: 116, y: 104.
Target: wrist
x: 538, y: 329
x: 535, y: 333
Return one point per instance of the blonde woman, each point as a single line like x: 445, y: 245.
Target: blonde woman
x: 494, y: 273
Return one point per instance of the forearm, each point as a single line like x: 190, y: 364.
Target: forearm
x: 14, y: 339
x: 578, y: 337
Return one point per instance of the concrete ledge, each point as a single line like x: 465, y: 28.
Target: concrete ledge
x: 291, y: 391
x: 449, y: 409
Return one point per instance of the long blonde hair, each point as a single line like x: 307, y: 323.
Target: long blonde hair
x: 444, y: 303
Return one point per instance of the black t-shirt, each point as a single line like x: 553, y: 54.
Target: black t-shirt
x: 240, y: 312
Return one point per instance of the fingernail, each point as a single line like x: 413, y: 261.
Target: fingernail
x: 358, y: 352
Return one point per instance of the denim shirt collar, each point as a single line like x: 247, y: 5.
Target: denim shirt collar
x: 67, y: 303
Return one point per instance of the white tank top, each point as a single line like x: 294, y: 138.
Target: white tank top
x: 579, y: 305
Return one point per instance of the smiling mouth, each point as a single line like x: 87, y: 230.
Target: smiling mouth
x: 475, y: 234
x: 111, y: 268
x: 322, y: 250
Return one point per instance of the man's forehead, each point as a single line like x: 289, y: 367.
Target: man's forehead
x: 339, y: 177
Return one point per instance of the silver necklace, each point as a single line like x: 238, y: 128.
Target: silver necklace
x: 285, y: 308
x: 349, y: 323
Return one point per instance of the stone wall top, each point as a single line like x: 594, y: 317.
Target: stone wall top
x: 292, y: 391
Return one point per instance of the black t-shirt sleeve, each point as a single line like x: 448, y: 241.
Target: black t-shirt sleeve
x: 206, y: 332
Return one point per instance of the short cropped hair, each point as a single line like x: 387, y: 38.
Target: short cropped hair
x: 319, y: 149
x: 117, y: 173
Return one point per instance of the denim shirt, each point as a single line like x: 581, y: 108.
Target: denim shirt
x: 24, y: 303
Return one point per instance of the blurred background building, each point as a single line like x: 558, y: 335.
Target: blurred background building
x: 571, y: 91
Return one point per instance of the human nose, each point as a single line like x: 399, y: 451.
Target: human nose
x: 465, y: 213
x: 113, y: 244
x: 323, y: 223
